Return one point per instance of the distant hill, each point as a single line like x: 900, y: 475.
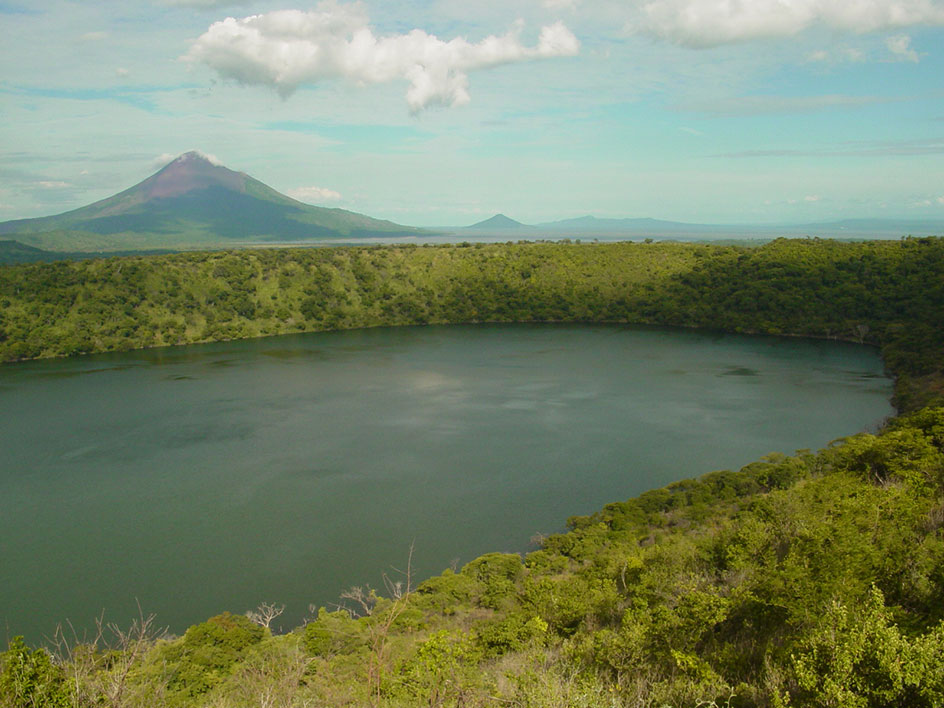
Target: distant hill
x: 499, y: 222
x: 193, y: 202
x: 852, y: 228
x: 15, y: 252
x: 594, y: 225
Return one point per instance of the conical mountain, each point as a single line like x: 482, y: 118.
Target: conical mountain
x: 193, y: 201
x: 499, y: 221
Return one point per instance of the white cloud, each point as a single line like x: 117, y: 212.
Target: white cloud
x: 710, y: 23
x: 209, y: 157
x: 50, y: 184
x: 289, y: 48
x: 808, y: 199
x: 900, y: 47
x: 314, y: 194
x: 940, y: 200
x: 162, y: 160
x: 94, y: 36
x: 122, y: 72
x: 166, y: 158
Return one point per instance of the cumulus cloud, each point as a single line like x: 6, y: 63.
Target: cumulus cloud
x: 710, y: 23
x: 900, y: 47
x: 940, y: 200
x: 314, y: 194
x: 94, y: 36
x: 288, y: 48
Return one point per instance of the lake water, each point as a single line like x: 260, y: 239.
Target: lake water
x: 199, y: 479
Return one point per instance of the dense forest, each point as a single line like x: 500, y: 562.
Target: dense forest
x: 811, y: 580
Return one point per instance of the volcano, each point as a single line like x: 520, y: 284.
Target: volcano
x: 194, y: 202
x: 498, y: 222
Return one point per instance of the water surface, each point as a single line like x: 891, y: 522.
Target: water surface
x: 199, y: 479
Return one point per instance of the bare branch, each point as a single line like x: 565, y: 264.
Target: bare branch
x: 366, y: 598
x: 396, y: 588
x: 265, y: 613
x: 99, y: 667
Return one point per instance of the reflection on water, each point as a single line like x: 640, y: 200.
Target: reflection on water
x: 213, y: 477
x: 740, y: 371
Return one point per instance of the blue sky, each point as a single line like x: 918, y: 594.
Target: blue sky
x: 441, y: 112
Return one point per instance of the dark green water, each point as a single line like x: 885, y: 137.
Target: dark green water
x: 208, y: 478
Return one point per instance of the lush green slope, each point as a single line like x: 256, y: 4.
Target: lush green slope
x: 14, y: 252
x: 809, y: 580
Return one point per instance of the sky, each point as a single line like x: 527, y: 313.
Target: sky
x: 445, y: 112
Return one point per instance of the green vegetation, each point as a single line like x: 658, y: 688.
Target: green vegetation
x: 14, y: 252
x: 810, y: 580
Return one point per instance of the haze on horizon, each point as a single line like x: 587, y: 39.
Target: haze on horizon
x: 435, y: 112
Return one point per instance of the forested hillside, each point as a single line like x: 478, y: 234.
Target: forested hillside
x: 811, y: 580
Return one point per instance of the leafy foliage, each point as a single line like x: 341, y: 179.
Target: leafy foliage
x: 30, y: 679
x: 206, y: 654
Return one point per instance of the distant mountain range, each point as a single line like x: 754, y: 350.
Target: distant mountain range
x: 193, y: 202
x: 591, y: 226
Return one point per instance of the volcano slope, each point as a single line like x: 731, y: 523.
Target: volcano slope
x: 191, y: 202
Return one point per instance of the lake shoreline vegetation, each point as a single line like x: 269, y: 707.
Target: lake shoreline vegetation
x: 815, y: 579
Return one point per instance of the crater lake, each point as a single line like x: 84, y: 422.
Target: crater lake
x: 193, y: 480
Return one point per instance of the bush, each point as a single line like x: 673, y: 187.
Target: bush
x: 29, y: 679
